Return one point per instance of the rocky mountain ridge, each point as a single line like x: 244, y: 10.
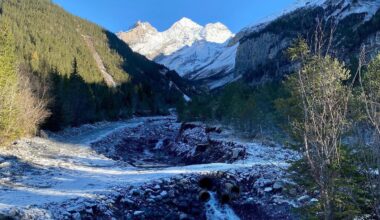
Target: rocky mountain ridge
x: 257, y: 52
x: 147, y: 40
x: 197, y: 53
x: 261, y: 54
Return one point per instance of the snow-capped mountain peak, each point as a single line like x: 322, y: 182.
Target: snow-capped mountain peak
x: 186, y: 23
x: 216, y: 33
x: 144, y: 26
x: 146, y: 40
x: 194, y: 51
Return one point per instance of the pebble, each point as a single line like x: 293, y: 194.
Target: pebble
x: 313, y: 200
x: 127, y: 201
x: 250, y: 200
x: 137, y: 213
x: 135, y: 192
x: 268, y: 189
x: 5, y: 164
x: 277, y: 185
x: 76, y: 216
x: 163, y: 193
x: 183, y: 216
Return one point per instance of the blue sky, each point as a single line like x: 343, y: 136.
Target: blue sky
x: 117, y: 15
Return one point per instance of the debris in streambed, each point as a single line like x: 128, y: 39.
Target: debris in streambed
x: 99, y: 170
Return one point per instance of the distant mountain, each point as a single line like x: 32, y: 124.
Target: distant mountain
x: 197, y: 53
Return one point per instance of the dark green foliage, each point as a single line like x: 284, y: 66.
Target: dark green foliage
x: 58, y: 49
x: 352, y: 197
x: 248, y: 109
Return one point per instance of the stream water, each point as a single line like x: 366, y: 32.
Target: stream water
x: 217, y: 211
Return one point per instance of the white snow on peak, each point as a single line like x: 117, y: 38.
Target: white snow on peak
x: 201, y: 60
x: 348, y: 7
x: 186, y: 23
x: 184, y: 32
x: 194, y: 51
x: 343, y: 9
x: 261, y: 24
x: 216, y: 33
x: 143, y: 25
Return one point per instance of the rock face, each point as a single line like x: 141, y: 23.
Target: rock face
x: 257, y: 52
x: 261, y: 54
x: 197, y: 53
x: 139, y: 34
x: 372, y: 44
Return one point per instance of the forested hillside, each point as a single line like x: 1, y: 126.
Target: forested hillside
x: 84, y: 71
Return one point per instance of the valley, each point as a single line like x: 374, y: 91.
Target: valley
x: 195, y: 112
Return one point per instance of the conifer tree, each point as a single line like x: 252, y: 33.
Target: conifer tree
x: 8, y: 84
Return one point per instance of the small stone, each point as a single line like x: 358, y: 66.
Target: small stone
x: 171, y: 193
x: 261, y: 182
x: 76, y: 216
x: 250, y: 200
x: 313, y: 200
x: 148, y: 191
x: 293, y: 192
x: 268, y: 189
x: 150, y: 200
x: 5, y: 164
x: 163, y: 193
x: 183, y: 216
x: 138, y: 213
x: 135, y: 192
x: 157, y: 187
x: 277, y: 185
x: 127, y: 201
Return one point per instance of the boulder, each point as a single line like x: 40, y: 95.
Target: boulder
x: 236, y: 152
x: 278, y: 185
x: 163, y: 194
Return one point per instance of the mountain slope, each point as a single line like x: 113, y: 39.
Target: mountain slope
x: 200, y: 54
x: 91, y: 73
x: 261, y: 54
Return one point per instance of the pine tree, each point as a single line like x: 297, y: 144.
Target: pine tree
x: 8, y: 84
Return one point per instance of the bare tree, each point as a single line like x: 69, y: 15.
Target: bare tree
x: 323, y: 96
x: 32, y: 100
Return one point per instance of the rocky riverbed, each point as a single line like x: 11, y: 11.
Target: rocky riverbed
x: 147, y: 168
